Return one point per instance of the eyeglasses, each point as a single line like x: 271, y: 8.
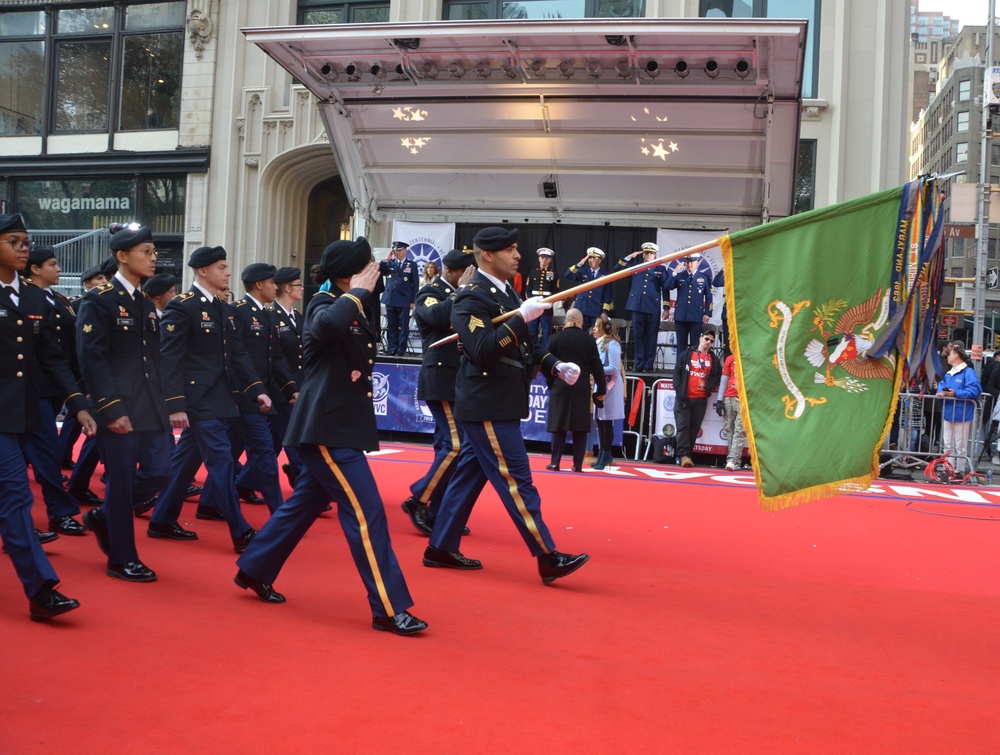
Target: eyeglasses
x: 18, y: 244
x: 296, y: 285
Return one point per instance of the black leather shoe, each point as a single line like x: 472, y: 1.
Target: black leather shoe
x: 403, y: 623
x: 264, y: 592
x: 552, y: 467
x: 291, y: 473
x: 133, y: 571
x: 67, y: 525
x: 207, y: 512
x: 247, y: 495
x: 554, y: 565
x: 94, y: 521
x: 193, y: 491
x: 173, y: 531
x: 240, y: 544
x: 86, y: 497
x: 434, y: 557
x: 49, y: 603
x: 45, y: 537
x: 141, y: 508
x: 68, y: 464
x: 577, y: 469
x: 417, y: 512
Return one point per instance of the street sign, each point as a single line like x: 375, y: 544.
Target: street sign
x: 943, y: 333
x: 949, y: 320
x: 953, y: 231
x: 993, y: 277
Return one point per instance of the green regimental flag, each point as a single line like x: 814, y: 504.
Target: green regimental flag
x: 809, y: 297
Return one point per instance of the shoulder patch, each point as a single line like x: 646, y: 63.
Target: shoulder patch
x: 103, y: 289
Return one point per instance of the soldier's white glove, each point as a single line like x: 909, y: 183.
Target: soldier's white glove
x: 531, y: 309
x: 568, y: 372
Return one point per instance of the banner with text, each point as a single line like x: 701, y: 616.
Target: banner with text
x: 429, y: 242
x: 672, y: 240
x: 711, y: 438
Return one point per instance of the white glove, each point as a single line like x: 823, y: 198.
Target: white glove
x: 531, y: 309
x: 568, y: 372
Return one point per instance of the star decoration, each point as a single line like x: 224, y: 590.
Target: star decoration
x: 674, y: 147
x: 645, y: 150
x: 659, y: 151
x: 397, y: 113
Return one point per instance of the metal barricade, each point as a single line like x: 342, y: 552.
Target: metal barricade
x: 634, y: 425
x: 917, y: 435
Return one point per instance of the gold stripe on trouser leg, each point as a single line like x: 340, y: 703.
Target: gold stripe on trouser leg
x: 359, y: 514
x: 448, y: 459
x: 529, y: 521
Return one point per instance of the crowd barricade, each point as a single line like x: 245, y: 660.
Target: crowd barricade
x: 915, y: 438
x: 634, y: 427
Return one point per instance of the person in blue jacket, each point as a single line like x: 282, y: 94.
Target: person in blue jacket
x: 597, y: 301
x: 960, y: 382
x: 693, y: 307
x: 645, y: 303
x: 402, y: 282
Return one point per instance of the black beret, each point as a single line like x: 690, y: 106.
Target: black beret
x: 109, y: 267
x: 494, y: 239
x: 128, y: 236
x: 39, y: 254
x: 342, y: 259
x: 400, y: 245
x: 458, y: 259
x: 287, y: 275
x: 91, y: 272
x: 204, y: 256
x: 257, y: 271
x: 12, y: 223
x: 159, y: 284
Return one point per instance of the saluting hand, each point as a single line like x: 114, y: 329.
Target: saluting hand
x: 466, y: 276
x: 121, y: 426
x: 86, y: 421
x: 367, y: 278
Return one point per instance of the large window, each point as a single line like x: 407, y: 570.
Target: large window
x: 325, y: 12
x: 475, y: 10
x: 22, y: 72
x: 962, y: 152
x: 962, y: 121
x: 807, y: 9
x: 964, y: 90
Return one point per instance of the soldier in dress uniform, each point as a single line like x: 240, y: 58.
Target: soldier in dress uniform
x: 28, y: 341
x: 542, y: 281
x: 436, y: 384
x: 290, y: 292
x: 400, y: 296
x: 491, y: 398
x: 597, y: 301
x: 204, y: 364
x: 160, y: 289
x: 645, y: 304
x: 118, y: 345
x: 693, y: 307
x: 333, y: 424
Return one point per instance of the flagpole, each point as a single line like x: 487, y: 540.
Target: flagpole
x: 602, y: 281
x: 982, y: 252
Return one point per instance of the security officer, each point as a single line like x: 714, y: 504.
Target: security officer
x: 333, y: 424
x: 645, y: 304
x: 693, y: 307
x: 289, y: 324
x: 400, y: 296
x: 118, y: 345
x: 542, y: 281
x: 597, y: 301
x: 491, y: 398
x: 30, y: 346
x: 436, y: 384
x: 204, y: 363
x: 258, y: 329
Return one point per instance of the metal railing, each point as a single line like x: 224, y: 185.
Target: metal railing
x: 916, y: 437
x: 77, y: 250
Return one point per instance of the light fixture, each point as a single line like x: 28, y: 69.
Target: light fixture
x: 681, y: 69
x: 652, y: 69
x: 537, y: 68
x: 711, y: 68
x: 624, y: 70
x: 565, y: 68
x: 399, y: 69
x: 377, y: 70
x: 508, y: 69
x: 352, y: 71
x: 615, y: 40
x: 429, y: 70
x: 742, y: 69
x: 594, y: 69
x: 549, y: 189
x: 482, y: 69
x: 328, y: 72
x: 456, y: 69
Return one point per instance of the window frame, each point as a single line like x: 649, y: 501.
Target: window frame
x: 347, y: 8
x: 495, y: 9
x: 965, y: 90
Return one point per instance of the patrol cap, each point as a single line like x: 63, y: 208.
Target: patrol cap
x: 545, y: 252
x: 342, y: 259
x: 90, y: 273
x: 494, y: 239
x: 458, y: 259
x: 128, y: 236
x: 13, y: 223
x: 109, y: 267
x: 159, y: 284
x: 39, y: 254
x: 595, y: 252
x: 649, y: 246
x: 204, y: 256
x: 257, y: 271
x: 400, y: 245
x: 287, y: 275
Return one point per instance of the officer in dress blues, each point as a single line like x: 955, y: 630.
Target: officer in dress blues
x: 645, y: 304
x: 289, y: 324
x: 30, y: 347
x: 258, y: 329
x: 333, y: 424
x: 491, y: 398
x: 400, y: 296
x: 542, y: 281
x: 597, y: 301
x: 204, y: 365
x: 118, y: 345
x: 693, y: 307
x: 436, y: 384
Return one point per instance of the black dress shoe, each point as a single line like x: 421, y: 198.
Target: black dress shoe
x: 193, y: 491
x: 133, y: 571
x: 50, y: 603
x: 553, y: 565
x: 552, y: 467
x: 68, y: 464
x: 291, y: 473
x: 173, y: 531
x: 264, y: 592
x: 141, y: 508
x: 86, y: 497
x: 403, y: 623
x: 249, y: 496
x: 417, y: 512
x: 207, y: 512
x: 64, y: 478
x: 95, y: 521
x: 434, y: 557
x: 577, y: 468
x: 67, y: 525
x: 45, y: 537
x: 240, y: 544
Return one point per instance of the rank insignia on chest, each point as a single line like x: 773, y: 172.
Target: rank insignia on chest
x: 475, y: 322
x: 122, y: 311
x: 87, y: 328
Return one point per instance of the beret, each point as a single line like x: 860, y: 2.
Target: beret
x: 204, y: 256
x: 400, y: 245
x: 458, y: 259
x: 91, y: 272
x: 257, y: 271
x: 287, y: 275
x: 109, y: 267
x: 159, y: 284
x: 128, y: 236
x: 342, y: 259
x: 649, y: 246
x: 595, y: 252
x: 12, y: 223
x: 40, y: 254
x: 494, y: 239
x: 545, y: 252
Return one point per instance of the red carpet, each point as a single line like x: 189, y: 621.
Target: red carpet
x: 701, y: 624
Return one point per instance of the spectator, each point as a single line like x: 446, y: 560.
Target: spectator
x: 610, y: 349
x: 431, y: 272
x: 728, y: 407
x: 960, y: 382
x: 696, y: 374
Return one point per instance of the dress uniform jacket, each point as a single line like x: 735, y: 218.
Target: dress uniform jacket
x: 401, y: 282
x: 439, y: 368
x: 569, y: 405
x: 64, y: 320
x: 290, y: 340
x: 258, y: 330
x: 597, y: 300
x: 646, y: 293
x: 334, y: 407
x: 203, y: 360
x: 694, y: 295
x: 541, y: 282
